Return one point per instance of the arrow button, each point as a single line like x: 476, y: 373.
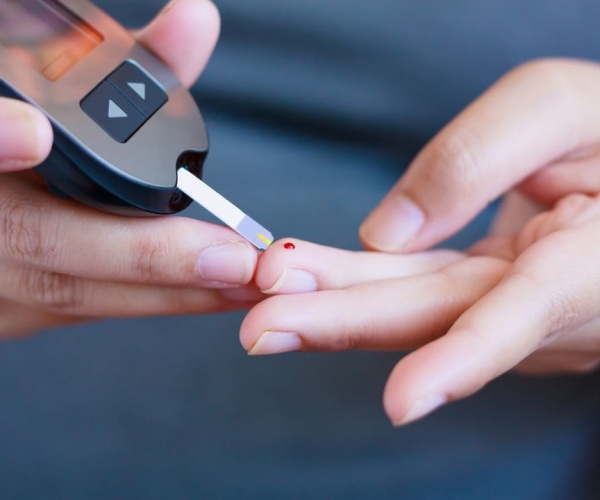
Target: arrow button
x: 139, y: 89
x: 143, y: 91
x: 114, y: 111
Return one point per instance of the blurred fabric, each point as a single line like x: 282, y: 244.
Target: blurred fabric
x: 314, y: 109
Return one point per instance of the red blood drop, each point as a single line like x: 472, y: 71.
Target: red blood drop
x: 289, y: 246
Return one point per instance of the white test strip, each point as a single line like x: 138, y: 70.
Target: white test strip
x: 223, y: 209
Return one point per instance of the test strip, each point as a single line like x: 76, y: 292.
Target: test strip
x: 223, y: 209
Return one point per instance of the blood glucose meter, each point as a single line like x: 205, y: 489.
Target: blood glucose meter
x: 128, y: 137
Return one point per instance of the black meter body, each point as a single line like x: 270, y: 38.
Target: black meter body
x: 123, y: 123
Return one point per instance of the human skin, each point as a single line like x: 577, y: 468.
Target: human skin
x: 61, y: 262
x: 525, y: 297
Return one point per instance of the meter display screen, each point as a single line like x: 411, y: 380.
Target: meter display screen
x: 45, y: 35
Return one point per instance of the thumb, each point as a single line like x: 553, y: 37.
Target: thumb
x: 184, y: 35
x: 25, y: 136
x: 531, y: 118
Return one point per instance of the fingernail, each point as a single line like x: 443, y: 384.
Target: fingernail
x: 393, y: 225
x: 294, y: 281
x: 421, y: 408
x: 229, y: 263
x: 276, y: 343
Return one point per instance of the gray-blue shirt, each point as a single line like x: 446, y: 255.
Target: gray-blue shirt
x: 314, y: 108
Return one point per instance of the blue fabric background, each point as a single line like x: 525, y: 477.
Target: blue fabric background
x: 314, y: 109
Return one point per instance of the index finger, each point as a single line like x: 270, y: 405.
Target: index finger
x: 531, y: 118
x: 45, y: 232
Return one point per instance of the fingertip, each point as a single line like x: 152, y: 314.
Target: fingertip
x: 282, y: 244
x: 287, y: 319
x: 286, y: 256
x: 404, y: 389
x: 404, y: 403
x: 420, y: 409
x: 432, y: 376
x: 260, y: 319
x: 25, y: 135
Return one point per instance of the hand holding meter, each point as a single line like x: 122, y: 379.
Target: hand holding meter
x: 128, y: 137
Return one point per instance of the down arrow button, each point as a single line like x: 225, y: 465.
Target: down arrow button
x: 114, y: 111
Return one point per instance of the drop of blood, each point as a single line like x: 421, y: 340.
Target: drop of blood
x: 289, y: 246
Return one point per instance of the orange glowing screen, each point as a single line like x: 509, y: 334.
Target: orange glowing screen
x: 45, y: 35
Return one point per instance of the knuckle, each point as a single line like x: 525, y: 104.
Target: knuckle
x: 455, y: 302
x: 538, y: 66
x: 459, y: 156
x: 560, y: 318
x: 560, y: 310
x: 577, y: 209
x: 352, y: 342
x: 562, y: 314
x: 574, y: 204
x: 538, y: 227
x: 25, y: 235
x: 559, y: 86
x: 354, y: 331
x: 53, y: 291
x: 149, y: 252
x: 554, y: 72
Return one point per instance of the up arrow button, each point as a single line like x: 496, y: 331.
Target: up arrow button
x: 143, y: 91
x: 139, y: 89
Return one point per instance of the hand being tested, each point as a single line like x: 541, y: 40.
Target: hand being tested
x: 526, y: 297
x: 61, y: 262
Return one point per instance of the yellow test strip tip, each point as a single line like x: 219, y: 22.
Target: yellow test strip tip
x: 223, y: 209
x: 264, y: 239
